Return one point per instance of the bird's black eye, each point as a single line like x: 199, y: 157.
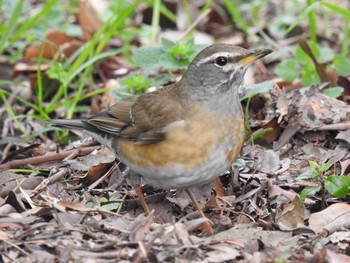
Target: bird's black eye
x: 221, y: 61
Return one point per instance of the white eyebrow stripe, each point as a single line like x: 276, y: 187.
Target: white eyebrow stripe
x: 218, y: 54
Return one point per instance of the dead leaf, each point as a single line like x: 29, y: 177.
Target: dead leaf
x: 181, y: 202
x: 53, y: 40
x: 291, y: 216
x: 344, y: 135
x: 341, y: 239
x: 95, y: 158
x: 88, y: 19
x: 333, y: 218
x: 345, y: 83
x: 316, y: 110
x: 95, y: 172
x: 65, y: 206
x: 269, y: 162
x: 334, y: 257
x: 344, y: 165
x: 140, y: 227
x: 222, y: 253
x: 274, y: 190
x: 272, y: 136
x: 311, y: 110
x: 68, y: 48
x: 5, y: 236
x: 28, y: 67
x: 244, y: 233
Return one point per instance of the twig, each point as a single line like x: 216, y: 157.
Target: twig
x: 50, y: 157
x: 16, y: 247
x: 195, y: 23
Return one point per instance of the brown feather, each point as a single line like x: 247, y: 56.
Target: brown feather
x: 141, y: 118
x: 121, y: 110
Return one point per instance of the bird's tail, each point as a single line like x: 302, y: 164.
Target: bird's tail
x: 69, y: 124
x: 100, y: 136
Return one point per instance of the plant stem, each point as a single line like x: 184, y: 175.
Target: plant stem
x: 345, y: 44
x: 155, y: 21
x: 312, y: 22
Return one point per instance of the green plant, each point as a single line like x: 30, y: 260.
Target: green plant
x: 245, y: 14
x: 76, y: 71
x: 310, y: 12
x: 250, y: 92
x: 301, y: 66
x: 18, y: 28
x: 336, y: 185
x: 132, y: 84
x: 104, y: 203
x: 170, y: 55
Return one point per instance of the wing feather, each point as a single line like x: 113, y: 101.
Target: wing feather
x: 142, y: 119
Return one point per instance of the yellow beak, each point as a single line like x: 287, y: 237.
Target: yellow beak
x: 254, y: 55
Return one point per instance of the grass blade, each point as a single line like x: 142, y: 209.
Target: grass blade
x: 10, y: 25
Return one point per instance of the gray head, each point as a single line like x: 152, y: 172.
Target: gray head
x: 218, y: 69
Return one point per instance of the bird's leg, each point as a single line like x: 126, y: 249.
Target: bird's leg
x: 135, y: 180
x: 207, y: 229
x: 142, y: 199
x: 195, y: 203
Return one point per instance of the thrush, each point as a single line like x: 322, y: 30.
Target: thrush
x: 184, y: 134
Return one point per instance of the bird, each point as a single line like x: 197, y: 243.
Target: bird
x: 184, y: 134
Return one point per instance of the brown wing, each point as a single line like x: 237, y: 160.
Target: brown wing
x: 141, y: 118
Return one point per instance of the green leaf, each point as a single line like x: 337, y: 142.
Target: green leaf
x: 304, y: 58
x: 337, y: 186
x: 287, y: 70
x: 110, y: 206
x: 255, y: 89
x: 346, y: 179
x: 310, y: 174
x: 102, y: 199
x: 181, y: 51
x: 167, y: 44
x: 315, y: 49
x: 303, y: 14
x: 341, y: 64
x: 57, y: 71
x: 324, y: 167
x: 167, y: 61
x: 10, y: 26
x: 147, y: 57
x: 326, y: 54
x: 334, y: 92
x: 90, y: 205
x: 301, y: 56
x: 136, y: 84
x: 197, y: 49
x: 313, y: 164
x: 162, y: 79
x: 342, y: 11
x: 83, y: 66
x: 239, y: 162
x: 259, y: 134
x: 309, y: 191
x: 232, y: 8
x: 309, y: 75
